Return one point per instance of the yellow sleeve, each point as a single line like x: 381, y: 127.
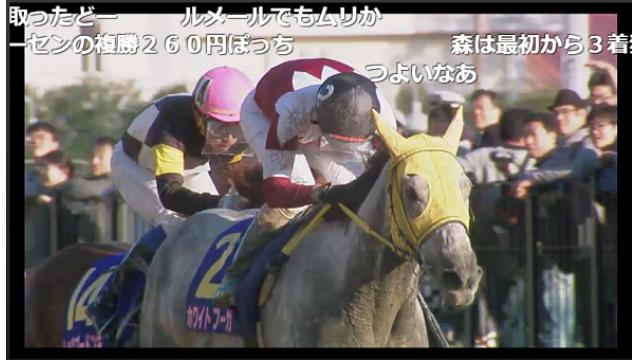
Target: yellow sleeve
x: 168, y: 160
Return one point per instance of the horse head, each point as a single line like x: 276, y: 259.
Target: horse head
x: 428, y: 207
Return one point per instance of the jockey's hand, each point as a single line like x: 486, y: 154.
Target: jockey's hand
x: 335, y: 194
x: 318, y: 191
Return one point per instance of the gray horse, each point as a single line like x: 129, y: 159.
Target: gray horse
x: 341, y: 287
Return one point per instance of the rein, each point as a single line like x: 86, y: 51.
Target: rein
x: 319, y: 217
x: 432, y: 323
x: 369, y: 231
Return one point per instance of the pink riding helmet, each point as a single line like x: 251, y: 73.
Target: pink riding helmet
x: 219, y: 93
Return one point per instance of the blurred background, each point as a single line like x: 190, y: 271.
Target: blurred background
x: 99, y: 94
x: 525, y: 299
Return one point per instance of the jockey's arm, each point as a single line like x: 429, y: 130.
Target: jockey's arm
x: 286, y: 183
x: 283, y: 185
x: 169, y: 165
x: 281, y: 192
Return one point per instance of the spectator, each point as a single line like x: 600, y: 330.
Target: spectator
x: 100, y: 182
x: 486, y: 117
x: 603, y: 83
x: 603, y: 124
x: 91, y: 200
x: 56, y: 170
x: 42, y: 138
x: 101, y: 158
x: 50, y: 225
x: 489, y: 168
x: 485, y: 165
x: 439, y: 120
x: 557, y: 277
x: 571, y: 115
x: 444, y: 107
x: 552, y: 163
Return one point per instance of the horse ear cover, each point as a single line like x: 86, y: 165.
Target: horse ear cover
x: 431, y: 158
x: 392, y: 140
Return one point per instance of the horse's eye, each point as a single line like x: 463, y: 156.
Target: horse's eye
x: 411, y: 194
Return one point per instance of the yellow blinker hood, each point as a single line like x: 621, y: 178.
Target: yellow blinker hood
x: 432, y: 159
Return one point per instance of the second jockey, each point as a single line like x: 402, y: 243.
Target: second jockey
x: 161, y: 167
x: 304, y: 114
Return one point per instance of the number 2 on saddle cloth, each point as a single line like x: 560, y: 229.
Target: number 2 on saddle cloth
x: 202, y: 314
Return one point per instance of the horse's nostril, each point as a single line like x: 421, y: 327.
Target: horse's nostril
x: 452, y: 280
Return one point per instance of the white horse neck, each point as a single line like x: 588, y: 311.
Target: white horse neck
x: 341, y: 277
x: 367, y: 254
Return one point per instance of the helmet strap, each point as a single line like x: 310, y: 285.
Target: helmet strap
x: 201, y: 121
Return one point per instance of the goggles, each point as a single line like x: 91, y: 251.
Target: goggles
x: 223, y: 139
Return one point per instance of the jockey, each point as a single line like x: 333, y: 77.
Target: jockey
x: 303, y: 114
x: 161, y: 166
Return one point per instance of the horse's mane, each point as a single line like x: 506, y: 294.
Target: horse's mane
x: 354, y: 193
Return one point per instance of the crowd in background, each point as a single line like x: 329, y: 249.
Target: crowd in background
x: 565, y: 157
x: 76, y: 207
x: 508, y: 153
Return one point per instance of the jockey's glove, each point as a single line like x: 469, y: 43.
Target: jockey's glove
x: 333, y: 194
x: 318, y: 191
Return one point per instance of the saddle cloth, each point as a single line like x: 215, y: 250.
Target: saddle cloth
x: 239, y: 320
x: 79, y: 330
x: 201, y: 314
